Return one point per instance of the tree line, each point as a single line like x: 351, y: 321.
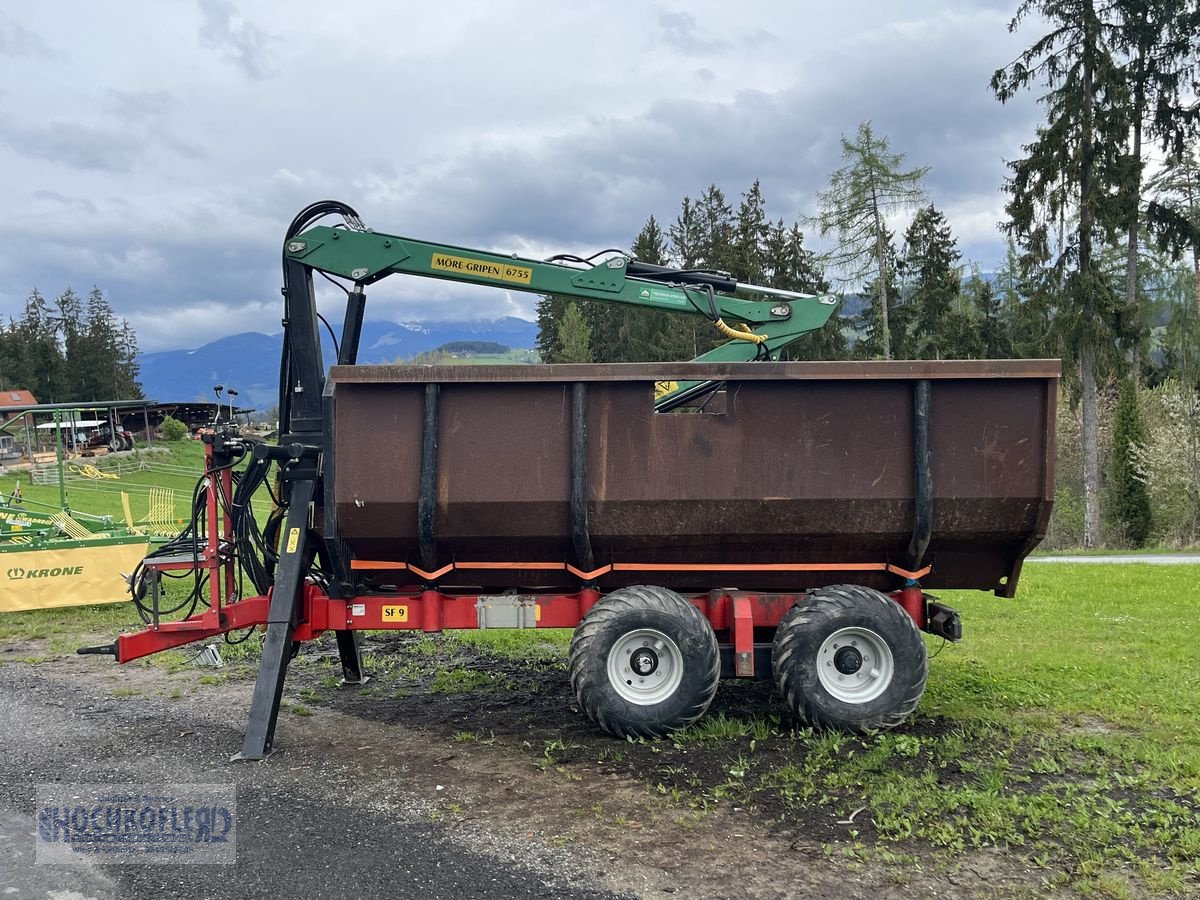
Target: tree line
x: 73, y: 350
x: 1102, y: 270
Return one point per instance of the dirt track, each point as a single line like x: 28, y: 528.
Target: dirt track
x: 396, y: 790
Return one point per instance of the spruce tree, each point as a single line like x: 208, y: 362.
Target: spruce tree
x: 1077, y: 163
x: 790, y: 266
x: 573, y: 338
x: 40, y: 366
x: 1128, y: 506
x: 747, y: 255
x: 1174, y: 211
x: 931, y: 267
x: 1158, y: 38
x: 550, y: 310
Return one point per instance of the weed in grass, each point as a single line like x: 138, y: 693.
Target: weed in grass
x: 211, y: 679
x: 457, y: 681
x: 720, y: 727
x: 611, y: 754
x: 553, y: 748
x: 738, y: 768
x: 543, y: 645
x: 300, y: 709
x: 465, y: 737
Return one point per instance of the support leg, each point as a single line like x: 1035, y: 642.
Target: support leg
x: 352, y: 671
x: 281, y: 621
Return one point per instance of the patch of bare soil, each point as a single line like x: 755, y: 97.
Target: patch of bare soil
x: 516, y: 753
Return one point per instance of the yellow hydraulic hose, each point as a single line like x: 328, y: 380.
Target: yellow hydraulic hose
x: 739, y: 334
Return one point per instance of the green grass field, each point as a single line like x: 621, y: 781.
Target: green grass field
x: 1063, y: 729
x: 176, y: 466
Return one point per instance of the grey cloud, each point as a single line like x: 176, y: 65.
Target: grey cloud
x: 62, y: 201
x: 241, y: 42
x: 598, y: 184
x: 77, y: 145
x: 138, y: 106
x: 206, y: 236
x: 21, y: 43
x: 679, y: 31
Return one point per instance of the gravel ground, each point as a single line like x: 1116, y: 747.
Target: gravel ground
x: 300, y: 833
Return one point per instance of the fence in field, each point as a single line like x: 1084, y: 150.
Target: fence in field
x: 108, y: 477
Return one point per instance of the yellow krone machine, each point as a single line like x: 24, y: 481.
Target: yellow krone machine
x: 52, y: 557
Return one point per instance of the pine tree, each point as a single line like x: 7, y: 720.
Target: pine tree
x: 715, y: 229
x: 788, y: 265
x: 40, y: 366
x: 1078, y: 159
x: 747, y: 255
x: 685, y: 236
x: 70, y: 322
x: 651, y: 335
x: 995, y: 339
x: 1128, y: 506
x: 1174, y: 212
x: 883, y: 327
x: 573, y: 337
x: 9, y: 362
x: 931, y: 266
x: 106, y: 357
x: 127, y: 365
x: 550, y: 311
x: 861, y: 194
x: 1158, y: 38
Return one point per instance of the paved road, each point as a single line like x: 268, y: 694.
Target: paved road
x: 298, y: 832
x: 1153, y: 559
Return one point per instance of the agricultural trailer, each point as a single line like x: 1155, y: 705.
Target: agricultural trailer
x: 732, y: 516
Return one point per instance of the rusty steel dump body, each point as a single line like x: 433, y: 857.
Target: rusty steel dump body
x: 792, y: 463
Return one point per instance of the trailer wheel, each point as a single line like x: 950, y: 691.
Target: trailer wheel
x: 851, y: 658
x: 644, y: 662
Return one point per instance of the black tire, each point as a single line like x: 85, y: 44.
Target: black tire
x: 678, y: 665
x: 142, y: 584
x: 850, y: 658
x: 115, y: 444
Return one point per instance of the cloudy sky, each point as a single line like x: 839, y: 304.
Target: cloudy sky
x: 159, y: 149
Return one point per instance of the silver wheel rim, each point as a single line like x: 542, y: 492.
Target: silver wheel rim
x: 645, y: 667
x: 855, y: 665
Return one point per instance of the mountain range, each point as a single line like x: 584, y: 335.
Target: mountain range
x: 249, y: 362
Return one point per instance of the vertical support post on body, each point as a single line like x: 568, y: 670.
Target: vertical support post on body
x: 581, y: 539
x: 427, y: 496
x: 922, y: 477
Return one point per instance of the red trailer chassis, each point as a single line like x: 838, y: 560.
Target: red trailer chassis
x: 733, y: 614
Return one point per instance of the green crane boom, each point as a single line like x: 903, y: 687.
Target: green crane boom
x: 757, y: 328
